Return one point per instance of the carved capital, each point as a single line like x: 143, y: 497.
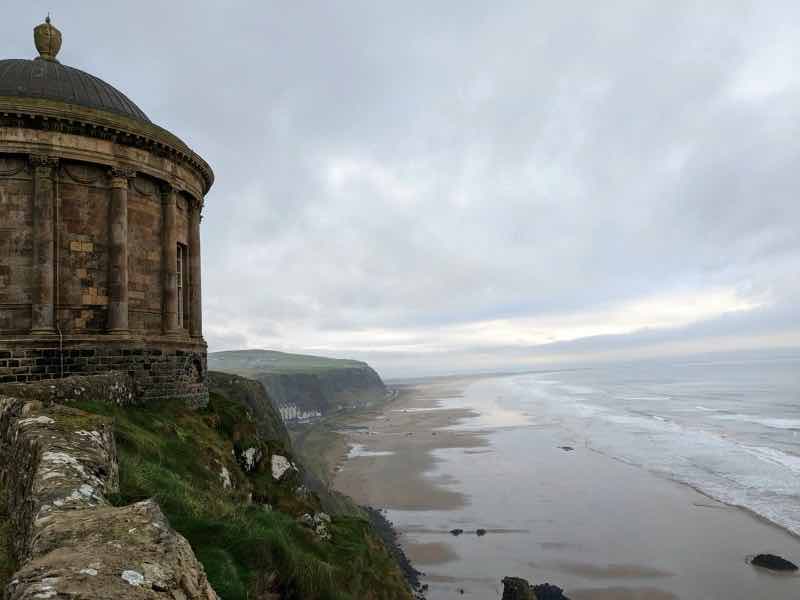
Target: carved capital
x: 120, y: 176
x: 196, y: 204
x: 43, y: 164
x: 168, y: 192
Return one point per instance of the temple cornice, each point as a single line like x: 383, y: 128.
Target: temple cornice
x: 48, y: 115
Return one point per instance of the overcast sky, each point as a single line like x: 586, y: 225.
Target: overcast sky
x: 446, y: 186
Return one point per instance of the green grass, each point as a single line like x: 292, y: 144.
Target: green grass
x: 252, y: 362
x: 176, y: 455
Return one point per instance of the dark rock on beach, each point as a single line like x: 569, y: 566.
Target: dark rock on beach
x: 548, y: 591
x: 456, y: 531
x: 516, y: 588
x: 481, y: 532
x: 773, y: 563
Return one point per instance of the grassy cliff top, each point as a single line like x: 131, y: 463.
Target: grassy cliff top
x: 269, y: 361
x: 211, y: 472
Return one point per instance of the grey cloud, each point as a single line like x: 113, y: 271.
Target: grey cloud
x: 494, y: 161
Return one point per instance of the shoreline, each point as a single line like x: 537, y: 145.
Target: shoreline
x: 722, y: 504
x: 404, y: 467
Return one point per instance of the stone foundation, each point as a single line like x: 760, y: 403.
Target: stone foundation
x: 157, y: 369
x: 115, y: 388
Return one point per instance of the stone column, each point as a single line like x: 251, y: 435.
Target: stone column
x: 195, y: 289
x: 118, y: 251
x: 169, y: 260
x: 43, y: 312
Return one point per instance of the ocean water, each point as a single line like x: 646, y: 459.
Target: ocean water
x: 582, y: 518
x: 729, y: 429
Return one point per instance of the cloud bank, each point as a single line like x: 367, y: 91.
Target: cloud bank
x: 473, y: 186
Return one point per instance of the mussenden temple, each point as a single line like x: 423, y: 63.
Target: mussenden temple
x: 99, y: 234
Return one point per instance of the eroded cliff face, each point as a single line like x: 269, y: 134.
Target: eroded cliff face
x: 251, y: 394
x: 300, y: 394
x: 304, y: 386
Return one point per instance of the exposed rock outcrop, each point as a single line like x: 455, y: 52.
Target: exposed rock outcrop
x: 59, y: 466
x: 280, y: 465
x: 319, y: 523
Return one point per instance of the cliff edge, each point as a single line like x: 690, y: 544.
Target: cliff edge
x: 104, y: 499
x: 302, y: 386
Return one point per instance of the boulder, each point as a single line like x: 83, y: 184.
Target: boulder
x: 516, y: 588
x: 280, y: 465
x: 320, y: 523
x: 773, y: 563
x: 250, y: 458
x: 548, y: 591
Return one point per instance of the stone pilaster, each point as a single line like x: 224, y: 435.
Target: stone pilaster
x: 44, y: 197
x: 169, y: 260
x: 195, y: 289
x: 118, y: 251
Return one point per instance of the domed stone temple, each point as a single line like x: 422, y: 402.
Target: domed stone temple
x: 99, y: 233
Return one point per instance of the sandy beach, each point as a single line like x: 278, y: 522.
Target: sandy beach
x: 597, y: 527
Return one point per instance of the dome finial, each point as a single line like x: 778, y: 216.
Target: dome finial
x: 47, y: 39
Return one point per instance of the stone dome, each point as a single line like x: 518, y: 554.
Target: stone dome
x: 41, y: 78
x: 46, y: 78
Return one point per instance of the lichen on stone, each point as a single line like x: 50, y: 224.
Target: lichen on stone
x: 133, y: 577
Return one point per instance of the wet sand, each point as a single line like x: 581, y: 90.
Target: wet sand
x: 399, y: 441
x: 597, y: 527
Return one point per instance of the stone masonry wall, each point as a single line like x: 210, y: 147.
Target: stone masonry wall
x: 16, y: 244
x: 174, y: 371
x: 58, y: 466
x: 82, y: 250
x: 83, y: 295
x: 144, y: 256
x: 114, y: 387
